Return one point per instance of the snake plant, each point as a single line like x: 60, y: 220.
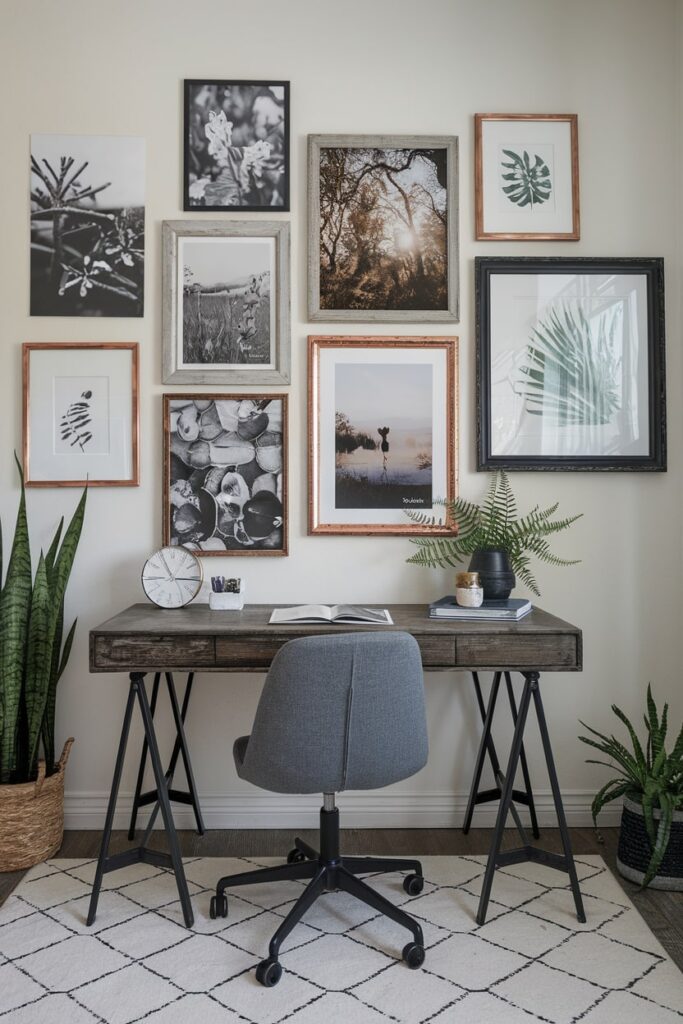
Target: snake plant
x: 652, y: 777
x: 32, y: 654
x: 494, y: 524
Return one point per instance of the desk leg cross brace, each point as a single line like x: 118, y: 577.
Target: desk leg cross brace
x: 141, y: 854
x: 497, y: 858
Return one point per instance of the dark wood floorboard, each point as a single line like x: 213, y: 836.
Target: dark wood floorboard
x: 663, y: 911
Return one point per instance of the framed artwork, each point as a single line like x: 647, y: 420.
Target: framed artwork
x: 87, y: 225
x: 225, y: 473
x: 236, y: 145
x: 526, y: 174
x: 383, y: 228
x: 570, y: 363
x: 80, y: 414
x: 382, y: 423
x: 225, y: 302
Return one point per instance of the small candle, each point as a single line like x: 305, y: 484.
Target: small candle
x: 469, y: 592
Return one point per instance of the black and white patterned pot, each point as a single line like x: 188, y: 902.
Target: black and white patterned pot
x: 633, y: 854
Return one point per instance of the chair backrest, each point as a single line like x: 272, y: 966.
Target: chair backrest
x: 339, y: 712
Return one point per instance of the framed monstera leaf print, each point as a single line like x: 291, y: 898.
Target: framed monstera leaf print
x: 570, y: 363
x: 527, y: 176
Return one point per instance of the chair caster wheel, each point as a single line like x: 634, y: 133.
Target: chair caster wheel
x: 218, y: 907
x: 413, y: 884
x: 414, y: 955
x: 268, y: 972
x: 295, y: 857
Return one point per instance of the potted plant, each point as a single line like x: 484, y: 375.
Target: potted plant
x: 32, y: 659
x: 498, y: 542
x: 650, y: 781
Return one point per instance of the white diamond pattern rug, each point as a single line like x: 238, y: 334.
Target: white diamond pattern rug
x: 531, y: 961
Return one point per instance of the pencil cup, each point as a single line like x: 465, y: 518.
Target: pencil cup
x: 227, y: 602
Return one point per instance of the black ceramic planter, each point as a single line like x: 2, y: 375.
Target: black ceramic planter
x: 495, y: 573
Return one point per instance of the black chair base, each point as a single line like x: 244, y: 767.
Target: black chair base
x: 327, y: 871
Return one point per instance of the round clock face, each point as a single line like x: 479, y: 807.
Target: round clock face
x: 172, y: 577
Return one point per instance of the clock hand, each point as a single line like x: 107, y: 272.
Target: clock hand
x: 168, y: 569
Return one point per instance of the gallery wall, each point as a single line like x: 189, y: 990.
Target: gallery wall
x: 384, y: 66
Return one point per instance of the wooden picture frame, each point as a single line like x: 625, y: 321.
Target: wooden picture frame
x: 382, y: 429
x: 225, y: 473
x: 570, y: 363
x: 226, y: 320
x: 87, y: 412
x: 526, y: 177
x: 236, y: 145
x: 405, y: 215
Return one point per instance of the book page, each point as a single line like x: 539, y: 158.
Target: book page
x: 302, y: 611
x: 352, y: 611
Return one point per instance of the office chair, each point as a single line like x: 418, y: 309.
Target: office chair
x: 337, y: 712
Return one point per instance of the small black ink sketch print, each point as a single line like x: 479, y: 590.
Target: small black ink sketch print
x: 236, y: 145
x: 87, y: 225
x: 76, y: 421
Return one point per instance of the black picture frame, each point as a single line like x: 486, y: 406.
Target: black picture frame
x: 190, y: 152
x: 517, y: 385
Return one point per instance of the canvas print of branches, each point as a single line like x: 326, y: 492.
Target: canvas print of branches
x: 226, y: 489
x: 236, y: 145
x: 383, y: 229
x: 383, y: 435
x: 227, y: 311
x: 87, y: 225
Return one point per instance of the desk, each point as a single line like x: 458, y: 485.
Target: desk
x: 145, y: 639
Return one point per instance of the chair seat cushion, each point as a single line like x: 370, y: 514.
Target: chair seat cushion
x: 239, y: 750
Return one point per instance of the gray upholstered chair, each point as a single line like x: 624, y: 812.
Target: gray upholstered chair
x: 337, y: 712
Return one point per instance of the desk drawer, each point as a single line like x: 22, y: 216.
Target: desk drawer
x: 437, y: 651
x: 247, y: 652
x: 163, y: 652
x: 531, y: 652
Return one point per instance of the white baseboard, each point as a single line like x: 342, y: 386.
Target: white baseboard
x: 359, y: 810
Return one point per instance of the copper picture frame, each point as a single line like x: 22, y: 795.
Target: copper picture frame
x: 526, y: 177
x: 382, y: 429
x: 89, y: 421
x: 225, y: 473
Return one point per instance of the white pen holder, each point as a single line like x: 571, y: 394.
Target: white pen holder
x: 227, y: 602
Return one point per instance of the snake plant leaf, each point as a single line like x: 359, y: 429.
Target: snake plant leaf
x: 38, y: 662
x: 67, y: 552
x: 612, y: 790
x: 15, y: 603
x: 637, y: 748
x: 52, y: 550
x: 529, y: 184
x: 662, y: 839
x: 571, y: 374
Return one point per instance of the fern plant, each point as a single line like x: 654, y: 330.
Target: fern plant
x: 652, y: 777
x: 493, y: 524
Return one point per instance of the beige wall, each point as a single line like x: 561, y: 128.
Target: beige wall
x: 361, y: 66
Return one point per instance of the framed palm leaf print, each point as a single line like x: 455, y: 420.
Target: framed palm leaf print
x: 570, y: 363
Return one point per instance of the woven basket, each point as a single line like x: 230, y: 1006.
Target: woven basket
x: 32, y: 817
x: 633, y: 854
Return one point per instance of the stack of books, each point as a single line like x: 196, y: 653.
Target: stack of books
x: 512, y: 609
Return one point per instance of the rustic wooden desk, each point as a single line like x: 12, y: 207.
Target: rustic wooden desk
x: 145, y: 639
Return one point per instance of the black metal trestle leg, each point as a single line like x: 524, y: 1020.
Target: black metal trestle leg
x: 487, y: 746
x: 141, y: 854
x: 529, y: 853
x: 141, y: 799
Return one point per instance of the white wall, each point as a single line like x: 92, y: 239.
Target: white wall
x: 362, y: 66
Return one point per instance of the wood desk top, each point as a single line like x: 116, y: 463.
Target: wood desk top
x: 144, y: 637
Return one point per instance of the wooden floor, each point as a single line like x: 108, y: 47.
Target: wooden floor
x: 662, y: 911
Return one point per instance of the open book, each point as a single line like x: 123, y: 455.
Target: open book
x: 349, y: 613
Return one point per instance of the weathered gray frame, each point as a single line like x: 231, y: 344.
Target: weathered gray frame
x: 171, y: 230
x: 387, y: 316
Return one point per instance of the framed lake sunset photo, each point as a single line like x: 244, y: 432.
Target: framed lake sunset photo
x: 382, y: 431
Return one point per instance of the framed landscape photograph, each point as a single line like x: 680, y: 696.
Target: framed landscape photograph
x: 382, y: 422
x: 383, y: 228
x: 236, y: 145
x: 225, y: 473
x: 570, y: 363
x: 225, y: 302
x: 80, y: 414
x: 87, y: 225
x: 526, y: 176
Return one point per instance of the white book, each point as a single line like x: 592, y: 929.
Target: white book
x: 333, y: 613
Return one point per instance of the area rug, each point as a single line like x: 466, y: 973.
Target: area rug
x: 530, y: 962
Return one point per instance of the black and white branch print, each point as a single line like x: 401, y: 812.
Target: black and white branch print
x: 76, y: 421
